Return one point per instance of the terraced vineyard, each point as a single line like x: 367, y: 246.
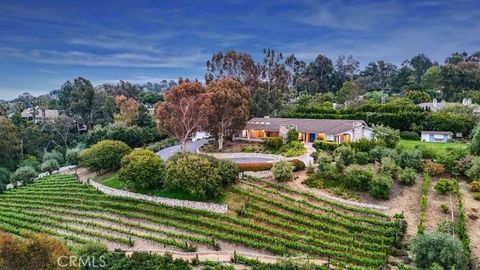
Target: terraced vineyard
x: 271, y: 219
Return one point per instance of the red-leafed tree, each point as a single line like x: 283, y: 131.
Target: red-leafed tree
x: 230, y: 101
x: 185, y: 110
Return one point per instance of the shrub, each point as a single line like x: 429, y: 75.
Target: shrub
x: 328, y: 171
x: 282, y: 171
x: 433, y: 168
x: 448, y: 161
x: 427, y: 151
x: 31, y: 161
x: 293, y: 149
x: 53, y: 155
x: 195, y: 175
x: 444, y: 186
x: 365, y: 145
x: 407, y: 176
x: 298, y: 165
x: 380, y: 186
x: 389, y: 167
x: 292, y: 135
x: 361, y: 158
x: 323, y: 158
x: 344, y: 153
x: 104, y: 155
x: 474, y: 172
x: 133, y: 136
x: 24, y: 174
x: 380, y: 152
x: 389, y: 135
x: 228, y: 169
x: 445, y: 208
x: 409, y: 135
x: 50, y: 166
x: 464, y: 164
x: 325, y: 145
x: 442, y: 248
x: 254, y: 166
x: 410, y: 158
x: 475, y: 186
x: 274, y: 143
x: 358, y: 178
x: 72, y: 155
x: 142, y: 171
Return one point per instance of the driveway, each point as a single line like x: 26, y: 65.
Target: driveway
x: 172, y: 150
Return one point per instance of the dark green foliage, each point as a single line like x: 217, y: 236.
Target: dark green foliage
x: 228, y: 169
x: 293, y: 149
x: 427, y: 151
x: 345, y: 154
x: 389, y: 167
x: 365, y: 145
x: 380, y: 186
x: 104, y: 155
x: 444, y: 249
x: 133, y: 136
x: 292, y: 135
x: 409, y: 135
x: 358, y: 178
x: 142, y: 169
x: 195, y: 175
x: 362, y: 158
x: 389, y: 135
x: 407, y: 176
x: 274, y: 143
x: 380, y: 152
x: 410, y: 158
x: 4, y: 178
x: 321, y: 145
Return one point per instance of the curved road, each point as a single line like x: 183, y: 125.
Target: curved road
x: 168, y: 152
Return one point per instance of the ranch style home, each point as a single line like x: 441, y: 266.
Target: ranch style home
x: 309, y: 130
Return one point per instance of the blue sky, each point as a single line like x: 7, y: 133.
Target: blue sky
x: 44, y: 43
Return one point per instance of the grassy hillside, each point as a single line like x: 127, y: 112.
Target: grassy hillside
x: 267, y: 217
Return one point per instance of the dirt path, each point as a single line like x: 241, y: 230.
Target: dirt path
x: 472, y: 211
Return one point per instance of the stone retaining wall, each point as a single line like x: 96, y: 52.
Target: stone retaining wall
x: 213, y: 207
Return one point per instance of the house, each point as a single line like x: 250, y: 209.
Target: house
x: 435, y: 105
x: 40, y: 115
x: 436, y: 136
x: 309, y: 130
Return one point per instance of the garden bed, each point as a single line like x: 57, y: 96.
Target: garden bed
x: 291, y: 149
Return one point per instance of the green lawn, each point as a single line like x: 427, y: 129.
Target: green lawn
x: 439, y: 148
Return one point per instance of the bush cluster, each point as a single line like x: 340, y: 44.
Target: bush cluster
x: 358, y: 178
x: 104, y: 155
x: 409, y: 135
x: 321, y: 145
x: 282, y: 171
x: 433, y: 168
x: 407, y: 176
x: 380, y: 186
x: 142, y: 169
x: 444, y: 186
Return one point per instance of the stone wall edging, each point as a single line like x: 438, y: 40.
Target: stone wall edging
x: 212, y: 207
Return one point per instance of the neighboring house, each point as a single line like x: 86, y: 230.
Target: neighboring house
x: 435, y: 105
x: 436, y: 136
x: 309, y: 130
x: 41, y: 115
